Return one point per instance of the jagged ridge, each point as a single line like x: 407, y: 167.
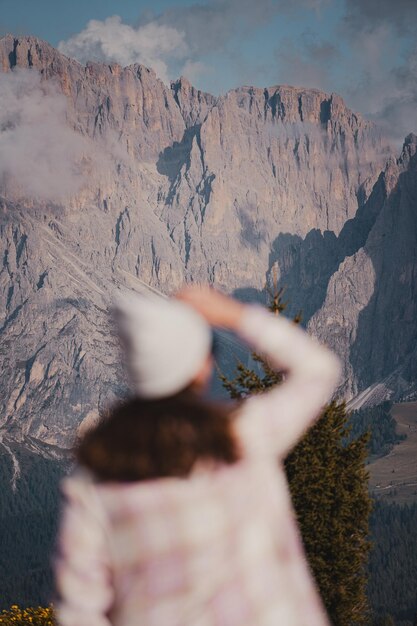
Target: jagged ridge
x: 223, y: 189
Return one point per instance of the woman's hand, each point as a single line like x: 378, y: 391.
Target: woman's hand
x: 217, y: 308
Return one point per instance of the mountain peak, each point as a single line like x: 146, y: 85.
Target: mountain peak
x: 221, y: 189
x: 410, y: 139
x: 409, y: 148
x: 182, y: 83
x: 27, y: 51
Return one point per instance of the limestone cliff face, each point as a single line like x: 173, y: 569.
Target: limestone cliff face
x: 178, y: 185
x: 225, y: 176
x: 370, y: 309
x: 130, y: 101
x: 264, y: 163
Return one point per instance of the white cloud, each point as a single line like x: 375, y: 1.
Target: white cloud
x: 366, y: 15
x: 386, y: 93
x: 292, y: 131
x: 360, y: 58
x: 152, y: 44
x: 40, y: 155
x: 175, y: 41
x: 194, y: 69
x: 308, y: 62
x: 371, y: 74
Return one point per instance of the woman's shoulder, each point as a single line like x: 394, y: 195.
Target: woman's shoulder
x: 79, y: 483
x: 81, y: 492
x: 79, y: 475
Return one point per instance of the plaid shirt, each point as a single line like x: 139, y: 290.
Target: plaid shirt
x: 219, y: 548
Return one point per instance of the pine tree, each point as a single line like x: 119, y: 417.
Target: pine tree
x: 328, y: 483
x: 386, y: 620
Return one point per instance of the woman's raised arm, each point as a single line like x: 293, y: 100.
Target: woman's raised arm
x: 276, y: 419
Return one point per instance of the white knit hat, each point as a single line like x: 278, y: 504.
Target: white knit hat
x: 166, y: 342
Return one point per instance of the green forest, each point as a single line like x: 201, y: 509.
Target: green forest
x: 29, y: 517
x: 381, y: 425
x: 392, y: 567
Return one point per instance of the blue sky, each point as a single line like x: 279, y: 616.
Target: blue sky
x: 366, y: 50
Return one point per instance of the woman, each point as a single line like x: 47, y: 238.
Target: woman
x: 181, y: 513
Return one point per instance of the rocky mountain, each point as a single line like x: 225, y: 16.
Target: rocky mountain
x: 165, y: 184
x: 369, y: 314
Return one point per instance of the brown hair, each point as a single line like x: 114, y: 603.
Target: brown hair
x: 146, y: 439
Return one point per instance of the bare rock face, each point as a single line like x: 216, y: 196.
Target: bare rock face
x: 370, y: 310
x: 179, y: 185
x: 264, y: 163
x: 129, y: 101
x: 193, y: 103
